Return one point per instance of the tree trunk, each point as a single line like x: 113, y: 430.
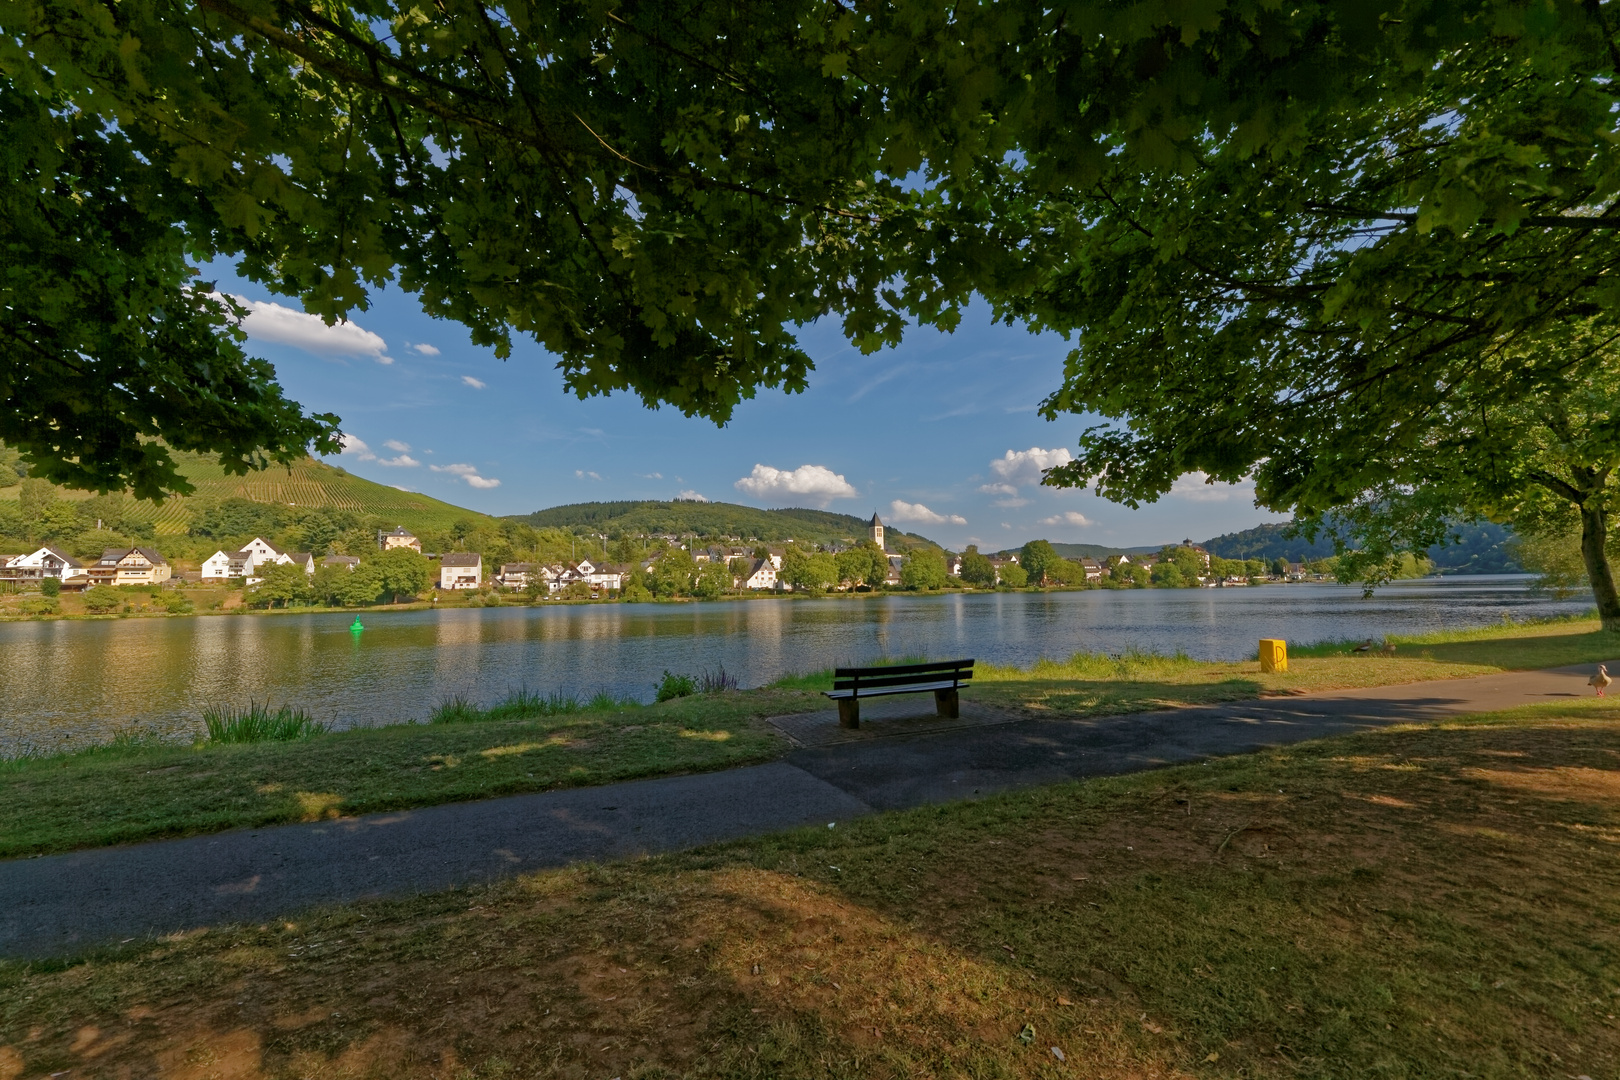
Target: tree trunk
x: 1594, y: 536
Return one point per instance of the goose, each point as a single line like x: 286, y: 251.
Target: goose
x: 1388, y: 649
x: 1601, y: 680
x: 1365, y: 646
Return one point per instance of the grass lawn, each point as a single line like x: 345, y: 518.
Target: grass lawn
x: 1436, y: 901
x: 1101, y: 685
x: 140, y: 791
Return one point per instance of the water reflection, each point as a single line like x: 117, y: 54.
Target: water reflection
x: 68, y: 682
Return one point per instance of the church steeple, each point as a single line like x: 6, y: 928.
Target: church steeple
x: 875, y: 527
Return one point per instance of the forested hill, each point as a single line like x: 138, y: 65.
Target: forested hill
x: 715, y: 519
x: 1482, y: 548
x: 307, y: 484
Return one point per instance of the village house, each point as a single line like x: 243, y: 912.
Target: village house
x: 522, y: 575
x: 953, y: 564
x: 257, y: 552
x: 517, y: 575
x: 761, y: 574
x: 216, y: 567
x: 586, y: 572
x: 348, y: 562
x: 1094, y: 569
x: 304, y: 560
x: 129, y: 566
x: 460, y: 570
x: 399, y: 537
x: 47, y: 562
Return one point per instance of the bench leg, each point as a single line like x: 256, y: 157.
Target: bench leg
x: 947, y: 704
x: 849, y: 712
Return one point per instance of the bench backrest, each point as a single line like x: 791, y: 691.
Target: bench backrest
x: 874, y: 678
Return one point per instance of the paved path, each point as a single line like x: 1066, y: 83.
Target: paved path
x: 60, y: 903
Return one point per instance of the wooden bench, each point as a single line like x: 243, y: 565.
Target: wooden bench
x: 944, y: 679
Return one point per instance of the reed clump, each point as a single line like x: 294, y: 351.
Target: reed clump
x: 259, y: 723
x: 521, y: 704
x: 1132, y: 665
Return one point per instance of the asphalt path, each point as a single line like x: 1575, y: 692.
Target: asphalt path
x: 61, y: 904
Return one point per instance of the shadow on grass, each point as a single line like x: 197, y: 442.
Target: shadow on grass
x: 1107, y: 697
x: 1429, y: 901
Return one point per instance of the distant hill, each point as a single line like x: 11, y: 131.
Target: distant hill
x: 715, y: 519
x: 1481, y: 548
x: 307, y: 483
x: 1087, y: 551
x: 1270, y: 542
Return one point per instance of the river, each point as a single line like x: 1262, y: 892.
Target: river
x: 68, y: 683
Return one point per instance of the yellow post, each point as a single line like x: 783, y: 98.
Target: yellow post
x: 1273, y: 654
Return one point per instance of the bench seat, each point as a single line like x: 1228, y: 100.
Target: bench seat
x: 879, y: 691
x: 944, y: 679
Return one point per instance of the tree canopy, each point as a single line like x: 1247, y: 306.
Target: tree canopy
x: 1291, y: 242
x: 657, y: 193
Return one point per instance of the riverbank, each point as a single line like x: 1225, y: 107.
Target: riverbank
x: 1418, y: 901
x: 139, y: 790
x: 170, y: 602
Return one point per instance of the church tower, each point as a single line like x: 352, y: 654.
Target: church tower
x: 876, y: 528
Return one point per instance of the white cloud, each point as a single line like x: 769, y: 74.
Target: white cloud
x: 1197, y: 487
x: 404, y: 461
x: 425, y: 350
x: 904, y: 511
x: 1010, y: 504
x: 468, y: 473
x: 654, y: 476
x: 353, y: 444
x: 397, y: 446
x: 285, y: 326
x: 476, y: 384
x: 998, y: 489
x: 1071, y: 517
x: 813, y: 483
x: 582, y: 474
x: 1017, y: 467
x: 692, y: 496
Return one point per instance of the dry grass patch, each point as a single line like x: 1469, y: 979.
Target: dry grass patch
x: 1435, y: 901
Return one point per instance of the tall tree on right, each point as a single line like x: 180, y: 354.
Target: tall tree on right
x: 1362, y: 254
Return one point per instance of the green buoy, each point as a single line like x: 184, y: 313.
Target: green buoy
x: 357, y: 627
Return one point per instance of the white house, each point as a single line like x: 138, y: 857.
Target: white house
x: 216, y: 567
x: 264, y: 551
x: 521, y: 575
x: 304, y: 560
x: 241, y: 565
x: 600, y: 577
x: 348, y: 562
x: 47, y: 562
x: 953, y: 565
x: 460, y: 570
x: 762, y: 575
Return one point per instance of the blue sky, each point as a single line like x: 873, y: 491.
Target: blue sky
x: 939, y: 436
